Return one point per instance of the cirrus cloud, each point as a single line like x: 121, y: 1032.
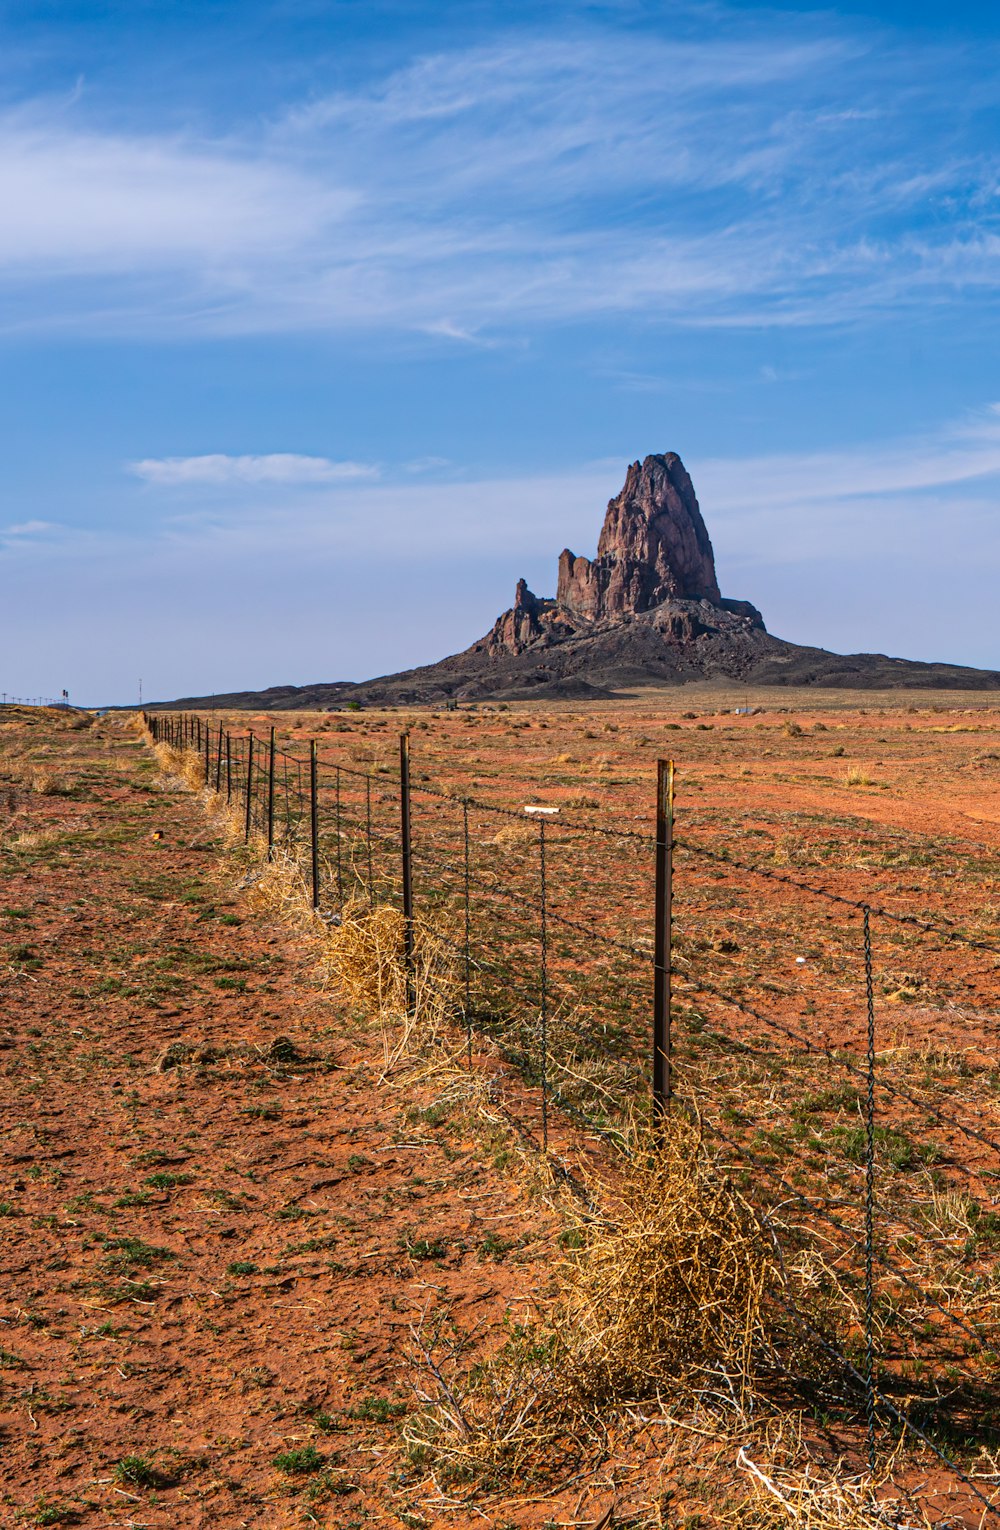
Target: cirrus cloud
x: 284, y: 468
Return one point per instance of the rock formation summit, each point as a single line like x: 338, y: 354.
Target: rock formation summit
x: 654, y: 560
x: 646, y: 611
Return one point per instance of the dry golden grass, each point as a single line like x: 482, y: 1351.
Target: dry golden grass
x: 515, y: 834
x: 858, y: 777
x: 31, y: 839
x: 18, y: 767
x: 181, y: 763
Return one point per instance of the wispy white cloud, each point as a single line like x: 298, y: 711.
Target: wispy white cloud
x: 782, y: 170
x: 428, y: 464
x: 769, y: 511
x: 28, y: 529
x: 821, y: 488
x: 79, y: 201
x: 275, y: 468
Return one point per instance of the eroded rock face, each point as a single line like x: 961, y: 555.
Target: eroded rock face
x: 520, y: 625
x: 654, y: 555
x: 653, y: 547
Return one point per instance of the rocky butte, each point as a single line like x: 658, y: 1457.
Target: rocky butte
x: 654, y: 560
x: 646, y: 611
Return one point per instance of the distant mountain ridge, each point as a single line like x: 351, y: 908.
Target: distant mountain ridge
x: 647, y: 610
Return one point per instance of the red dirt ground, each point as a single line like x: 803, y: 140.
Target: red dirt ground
x: 358, y: 1225
x: 220, y: 1253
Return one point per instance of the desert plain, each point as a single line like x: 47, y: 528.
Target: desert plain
x: 249, y: 1242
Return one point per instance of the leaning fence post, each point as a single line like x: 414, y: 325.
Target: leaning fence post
x: 270, y: 795
x: 249, y: 806
x: 662, y: 953
x: 544, y: 984
x: 314, y: 823
x: 870, y: 1197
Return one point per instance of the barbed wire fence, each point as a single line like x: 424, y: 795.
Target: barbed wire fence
x: 622, y: 971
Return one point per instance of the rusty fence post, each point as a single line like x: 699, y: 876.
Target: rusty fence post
x: 543, y: 1017
x: 407, y: 853
x: 340, y: 853
x: 249, y: 803
x: 314, y: 822
x: 662, y: 1082
x: 270, y: 796
x: 467, y: 928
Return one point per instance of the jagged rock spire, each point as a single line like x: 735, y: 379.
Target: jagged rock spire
x: 653, y: 547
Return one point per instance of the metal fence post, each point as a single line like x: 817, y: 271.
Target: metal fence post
x: 249, y: 805
x: 662, y: 1082
x: 467, y: 952
x: 544, y: 984
x: 314, y: 822
x: 407, y: 849
x: 340, y: 851
x: 368, y: 838
x: 270, y: 796
x: 870, y: 1197
x: 229, y: 768
x: 218, y: 763
x: 208, y: 747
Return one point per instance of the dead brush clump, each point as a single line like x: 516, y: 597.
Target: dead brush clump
x: 19, y: 769
x: 515, y: 834
x: 48, y: 783
x: 665, y: 1297
x: 364, y: 955
x: 182, y: 763
x: 669, y: 1291
x: 276, y: 888
x: 813, y: 1499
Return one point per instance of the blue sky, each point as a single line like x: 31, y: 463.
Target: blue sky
x: 321, y: 323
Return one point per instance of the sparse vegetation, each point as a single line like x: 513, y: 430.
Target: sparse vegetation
x: 206, y: 1119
